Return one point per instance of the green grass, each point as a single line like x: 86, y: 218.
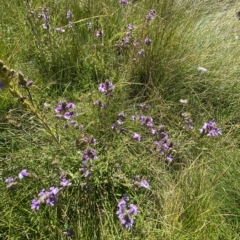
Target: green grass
x: 194, y: 197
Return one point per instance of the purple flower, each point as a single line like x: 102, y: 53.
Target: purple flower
x: 74, y: 123
x: 210, y: 129
x: 89, y: 154
x: 9, y: 180
x: 133, y: 118
x: 45, y: 26
x: 54, y: 191
x: 99, y: 33
x: 151, y: 14
x: 124, y: 214
x: 70, y: 105
x: 144, y: 184
x: 141, y: 52
x: 148, y: 121
x: 169, y: 158
x: 70, y: 25
x: 143, y: 106
x: 69, y: 115
x: 131, y: 27
x: 137, y: 137
x: 23, y: 174
x: 114, y: 127
x: 69, y: 14
x: 51, y: 200
x: 148, y: 41
x: 133, y: 209
x: 65, y: 183
x: 124, y: 2
x: 35, y: 204
x: 106, y: 87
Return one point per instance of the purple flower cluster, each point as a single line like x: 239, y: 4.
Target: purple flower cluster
x: 107, y: 88
x: 187, y: 121
x: 151, y: 15
x: 124, y: 2
x: 148, y: 41
x: 44, y: 16
x: 165, y: 147
x: 147, y: 121
x: 99, y: 33
x: 120, y: 121
x: 125, y: 214
x: 48, y: 197
x: 137, y: 137
x: 10, y: 180
x: 142, y: 183
x: 210, y: 129
x: 23, y: 174
x: 62, y: 110
x: 89, y: 154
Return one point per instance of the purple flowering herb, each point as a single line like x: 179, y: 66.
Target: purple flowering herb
x: 70, y: 106
x: 137, y: 137
x: 114, y: 127
x: 99, y: 33
x: 125, y: 215
x: 89, y: 154
x: 136, y: 43
x: 107, y: 88
x: 69, y: 115
x: 122, y: 130
x: 35, y: 204
x: 144, y: 184
x: 70, y: 25
x: 148, y: 121
x: 69, y: 15
x: 9, y: 180
x: 54, y: 191
x: 45, y: 26
x: 29, y: 83
x: 123, y: 2
x: 150, y: 15
x: 131, y: 27
x: 143, y: 107
x: 51, y: 200
x: 133, y: 118
x: 10, y: 183
x: 169, y: 158
x: 65, y: 183
x: 23, y: 174
x: 210, y: 129
x: 148, y: 41
x: 141, y: 52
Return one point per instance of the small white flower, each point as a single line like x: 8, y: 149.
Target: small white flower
x: 183, y: 101
x: 201, y: 69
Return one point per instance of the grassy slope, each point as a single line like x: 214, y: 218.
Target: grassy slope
x: 195, y: 198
